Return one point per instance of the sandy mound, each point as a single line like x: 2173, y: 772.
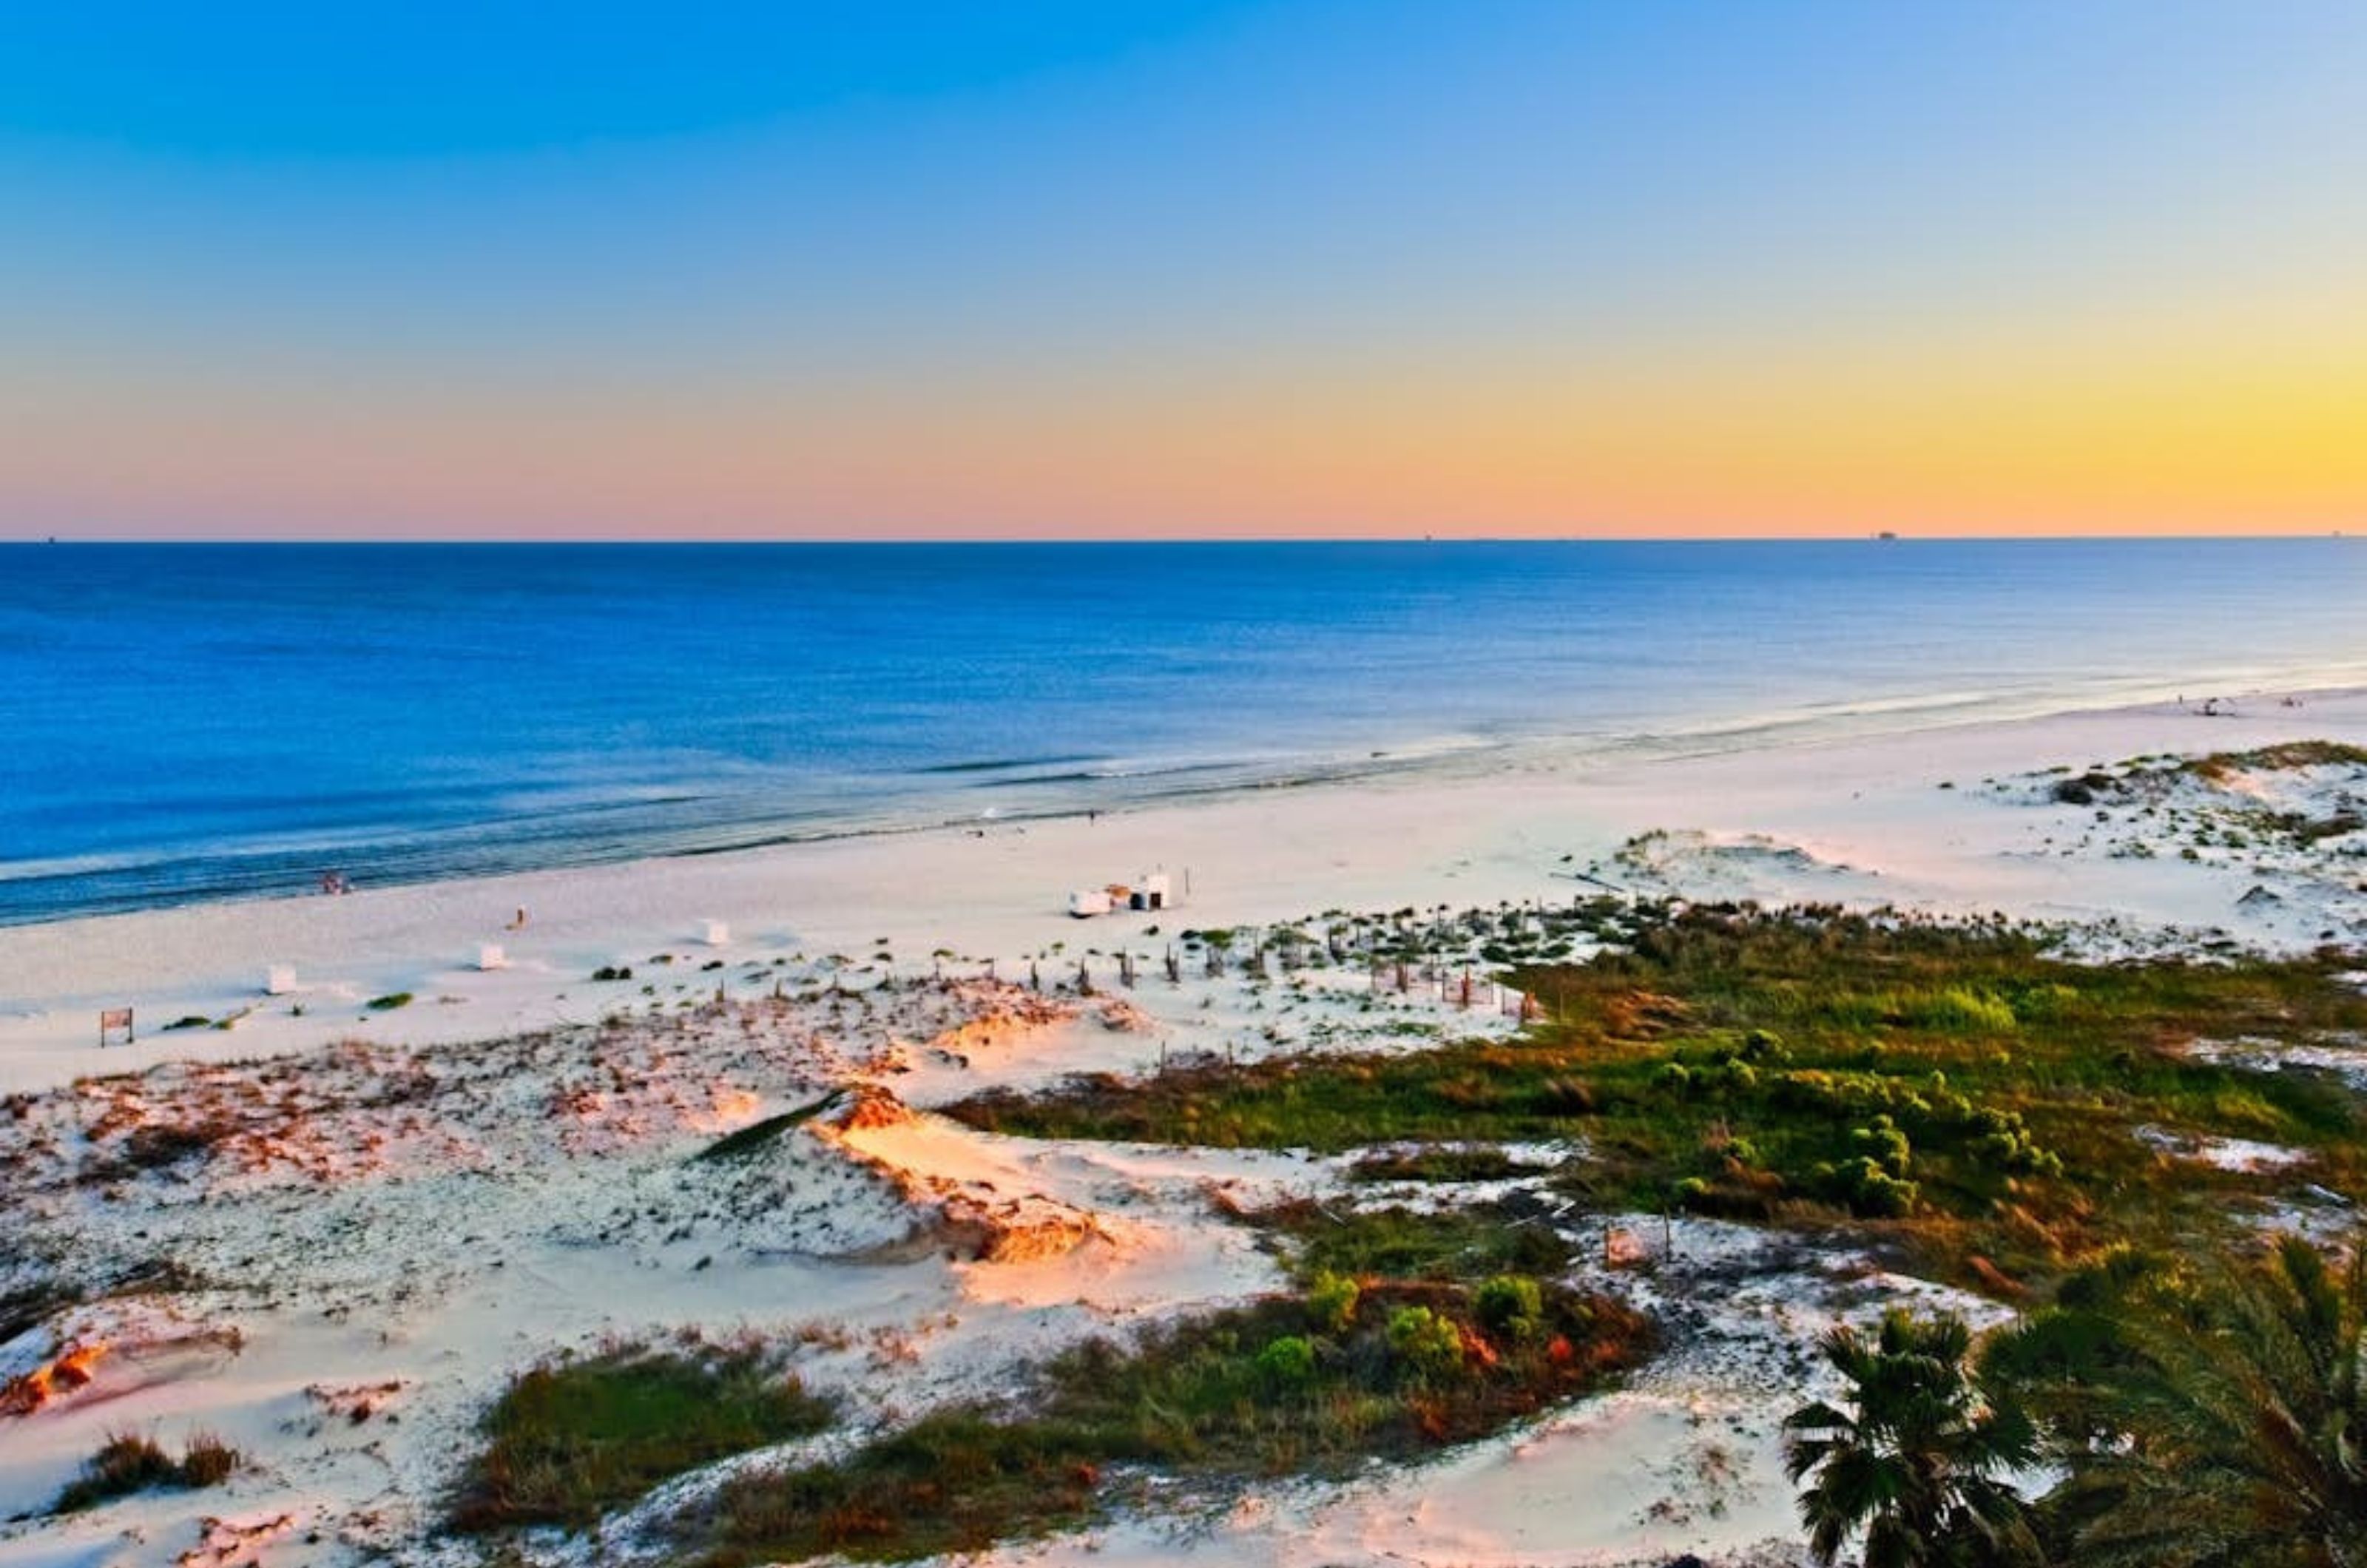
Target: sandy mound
x: 957, y: 1210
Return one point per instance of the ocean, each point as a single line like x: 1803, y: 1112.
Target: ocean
x: 182, y: 722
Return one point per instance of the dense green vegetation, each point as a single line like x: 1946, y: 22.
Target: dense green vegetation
x: 2196, y: 1413
x: 575, y: 1438
x: 2204, y: 1412
x: 1289, y: 1386
x: 1955, y: 1088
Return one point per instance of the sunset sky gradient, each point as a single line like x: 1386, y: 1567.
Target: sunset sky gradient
x: 1307, y: 268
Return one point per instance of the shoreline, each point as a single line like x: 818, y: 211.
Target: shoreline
x: 1866, y: 809
x: 264, y: 870
x: 1007, y: 792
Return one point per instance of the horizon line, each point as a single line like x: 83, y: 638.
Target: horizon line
x: 508, y: 540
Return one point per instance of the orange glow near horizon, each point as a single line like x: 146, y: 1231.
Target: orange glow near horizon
x: 2238, y: 432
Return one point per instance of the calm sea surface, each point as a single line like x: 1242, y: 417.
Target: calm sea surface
x: 182, y: 722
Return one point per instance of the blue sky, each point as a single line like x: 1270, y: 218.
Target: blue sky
x: 1308, y: 267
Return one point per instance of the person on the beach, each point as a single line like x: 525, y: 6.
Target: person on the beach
x: 519, y: 924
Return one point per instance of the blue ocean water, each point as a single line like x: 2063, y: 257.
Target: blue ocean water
x: 185, y: 722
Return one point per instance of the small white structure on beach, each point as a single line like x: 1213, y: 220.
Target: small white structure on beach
x: 278, y: 980
x: 491, y: 957
x: 1151, y: 891
x: 715, y: 933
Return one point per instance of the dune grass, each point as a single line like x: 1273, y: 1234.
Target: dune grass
x: 574, y: 1439
x: 129, y: 1464
x: 1446, y: 1162
x: 1312, y: 1384
x: 1955, y: 1087
x: 1456, y: 1245
x: 2280, y: 757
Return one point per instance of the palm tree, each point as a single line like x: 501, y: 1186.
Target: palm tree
x: 1914, y: 1461
x: 2237, y: 1431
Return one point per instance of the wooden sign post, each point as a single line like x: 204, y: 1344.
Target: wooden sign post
x: 111, y: 1020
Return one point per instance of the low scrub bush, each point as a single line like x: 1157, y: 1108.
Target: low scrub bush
x: 1429, y: 1345
x: 154, y: 1145
x: 572, y: 1440
x: 1467, y: 1244
x: 1511, y: 1307
x: 1218, y: 1399
x: 1287, y: 1363
x: 1447, y: 1164
x: 1331, y: 1301
x: 129, y: 1464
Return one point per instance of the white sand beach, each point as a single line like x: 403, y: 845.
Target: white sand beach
x: 496, y: 1170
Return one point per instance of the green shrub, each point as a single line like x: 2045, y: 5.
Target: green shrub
x: 1869, y: 1188
x: 390, y: 1001
x: 2001, y: 1140
x: 1509, y: 1306
x: 1424, y: 1342
x: 1286, y: 1363
x: 1331, y: 1301
x: 1883, y: 1144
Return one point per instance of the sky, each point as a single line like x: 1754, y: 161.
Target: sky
x: 1064, y: 268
